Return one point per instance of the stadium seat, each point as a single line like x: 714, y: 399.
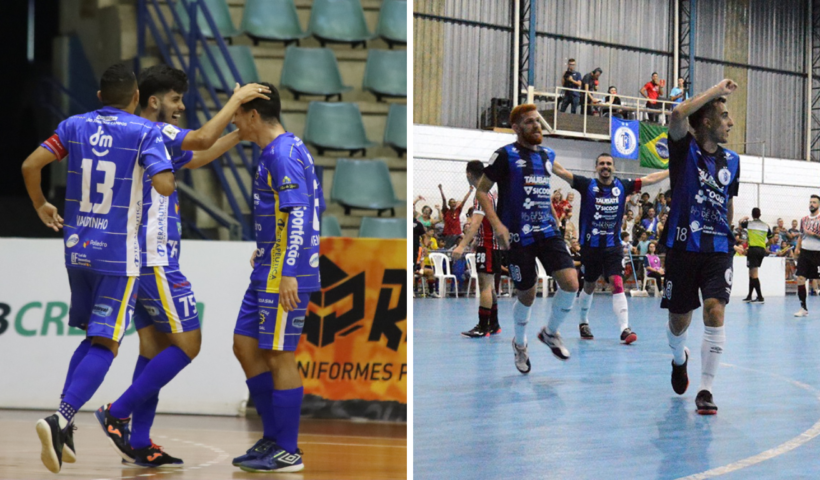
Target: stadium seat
x: 312, y: 71
x: 272, y: 20
x: 392, y: 26
x: 395, y: 133
x: 330, y: 226
x: 221, y: 14
x: 383, y: 228
x: 335, y: 126
x: 385, y: 74
x: 242, y: 58
x: 363, y: 185
x: 339, y: 21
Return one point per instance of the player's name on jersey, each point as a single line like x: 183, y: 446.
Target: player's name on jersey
x: 92, y: 222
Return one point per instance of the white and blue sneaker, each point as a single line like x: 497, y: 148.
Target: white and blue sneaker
x: 277, y: 460
x: 262, y: 447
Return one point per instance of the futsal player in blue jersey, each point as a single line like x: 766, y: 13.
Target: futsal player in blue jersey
x: 165, y: 315
x: 526, y: 225
x: 603, y: 200
x: 108, y: 150
x: 288, y: 202
x: 704, y: 178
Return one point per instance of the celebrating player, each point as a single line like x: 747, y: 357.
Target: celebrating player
x: 288, y: 203
x: 808, y: 252
x: 603, y: 200
x: 527, y: 226
x: 698, y: 236
x: 165, y: 316
x: 759, y: 235
x: 108, y: 152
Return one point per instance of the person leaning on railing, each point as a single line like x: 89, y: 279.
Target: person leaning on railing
x: 614, y: 99
x: 590, y: 85
x: 651, y: 91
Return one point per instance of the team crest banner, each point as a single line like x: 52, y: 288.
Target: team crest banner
x: 624, y: 134
x: 654, y: 146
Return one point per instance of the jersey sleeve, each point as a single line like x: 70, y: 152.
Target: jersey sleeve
x: 173, y: 136
x: 288, y: 179
x: 477, y: 209
x: 735, y: 186
x: 631, y: 186
x: 181, y: 160
x: 54, y: 145
x: 580, y: 183
x: 499, y: 166
x: 154, y: 156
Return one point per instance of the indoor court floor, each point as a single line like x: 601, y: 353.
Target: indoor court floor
x: 337, y: 450
x: 609, y: 412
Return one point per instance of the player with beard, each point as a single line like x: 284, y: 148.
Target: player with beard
x: 603, y: 201
x: 704, y: 178
x: 808, y: 252
x: 525, y: 225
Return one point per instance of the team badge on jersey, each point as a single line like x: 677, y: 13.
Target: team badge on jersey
x: 170, y: 131
x: 616, y: 191
x: 74, y: 239
x: 725, y: 176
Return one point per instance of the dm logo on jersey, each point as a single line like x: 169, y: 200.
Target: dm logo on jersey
x: 74, y: 239
x: 725, y: 176
x: 103, y: 141
x: 625, y: 141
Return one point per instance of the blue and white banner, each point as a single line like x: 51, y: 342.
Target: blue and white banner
x: 625, y: 138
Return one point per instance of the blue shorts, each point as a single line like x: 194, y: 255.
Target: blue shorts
x: 102, y: 305
x: 261, y: 318
x: 166, y: 301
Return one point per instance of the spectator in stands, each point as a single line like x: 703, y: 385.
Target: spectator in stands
x: 645, y: 204
x: 627, y: 244
x: 660, y: 204
x: 785, y: 236
x: 557, y: 201
x: 571, y: 79
x: 628, y: 225
x: 418, y: 232
x: 614, y: 99
x: 570, y: 233
x: 575, y: 251
x: 425, y: 217
x: 794, y: 233
x: 590, y: 85
x: 678, y: 94
x: 785, y: 250
x: 651, y: 91
x: 652, y: 264
x: 650, y: 224
x: 566, y: 205
x: 773, y: 245
x: 429, y: 245
x: 451, y: 215
x: 643, y: 244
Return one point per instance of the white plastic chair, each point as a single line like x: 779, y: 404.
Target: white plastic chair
x: 441, y: 270
x: 647, y: 279
x: 505, y: 279
x: 473, y: 273
x: 542, y: 278
x: 423, y: 280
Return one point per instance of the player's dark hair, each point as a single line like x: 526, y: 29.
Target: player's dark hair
x: 817, y: 197
x: 268, y: 109
x: 755, y: 212
x: 602, y: 156
x: 475, y: 168
x: 117, y: 85
x: 654, y: 73
x: 706, y: 111
x: 571, y: 60
x: 597, y: 70
x: 159, y: 80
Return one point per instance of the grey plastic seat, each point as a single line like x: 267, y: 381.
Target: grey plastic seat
x: 336, y: 126
x: 395, y: 133
x: 383, y: 228
x: 385, y: 74
x: 272, y: 20
x: 331, y: 227
x: 363, y: 185
x: 222, y: 17
x: 392, y: 26
x: 339, y: 21
x: 312, y: 71
x: 242, y: 58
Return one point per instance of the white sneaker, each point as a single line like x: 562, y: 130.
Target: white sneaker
x: 802, y: 313
x: 522, y: 358
x: 555, y: 343
x: 435, y: 295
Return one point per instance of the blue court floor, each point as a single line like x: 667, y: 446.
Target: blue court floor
x: 609, y: 412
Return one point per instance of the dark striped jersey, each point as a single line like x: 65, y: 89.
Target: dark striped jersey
x: 602, y: 209
x: 484, y: 236
x: 524, y: 205
x: 702, y: 186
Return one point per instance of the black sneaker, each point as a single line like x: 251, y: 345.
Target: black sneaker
x: 705, y: 404
x: 51, y: 438
x: 680, y: 379
x: 476, y: 332
x: 759, y: 300
x: 747, y: 299
x: 68, y: 444
x: 117, y: 431
x: 259, y: 449
x: 154, y: 457
x: 495, y: 329
x: 586, y: 332
x: 628, y: 336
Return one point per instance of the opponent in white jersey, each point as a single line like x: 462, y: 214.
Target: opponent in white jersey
x: 808, y: 252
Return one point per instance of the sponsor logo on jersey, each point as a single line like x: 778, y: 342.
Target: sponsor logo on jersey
x: 536, y: 180
x: 80, y: 259
x: 295, y: 235
x: 299, y: 322
x: 256, y: 199
x: 170, y: 131
x: 267, y: 300
x: 102, y: 310
x: 537, y: 190
x: 152, y: 310
x: 526, y: 229
x: 101, y: 140
x: 314, y: 260
x: 263, y: 315
x: 520, y: 163
x: 728, y: 276
x: 72, y: 240
x: 184, y: 284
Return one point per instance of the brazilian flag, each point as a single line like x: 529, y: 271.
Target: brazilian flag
x: 654, y: 147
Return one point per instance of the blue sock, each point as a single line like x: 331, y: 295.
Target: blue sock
x: 88, y: 376
x: 159, y: 371
x: 79, y: 355
x: 261, y: 387
x: 287, y: 405
x: 143, y: 417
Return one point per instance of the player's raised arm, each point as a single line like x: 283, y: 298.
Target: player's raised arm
x: 562, y: 172
x: 678, y: 124
x: 656, y: 177
x: 465, y: 197
x: 206, y: 136
x: 204, y: 157
x: 32, y: 168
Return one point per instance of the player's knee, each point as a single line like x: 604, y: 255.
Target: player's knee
x: 526, y: 297
x: 713, y: 313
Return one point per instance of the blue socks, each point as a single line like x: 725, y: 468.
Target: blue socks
x: 157, y: 373
x: 79, y: 354
x: 261, y: 388
x: 87, y: 378
x: 143, y: 416
x: 287, y: 405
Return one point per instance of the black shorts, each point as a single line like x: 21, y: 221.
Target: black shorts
x: 755, y: 256
x: 606, y: 261
x: 688, y: 272
x: 488, y: 260
x: 553, y: 253
x: 808, y: 264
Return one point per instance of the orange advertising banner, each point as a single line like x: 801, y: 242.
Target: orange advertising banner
x: 354, y: 342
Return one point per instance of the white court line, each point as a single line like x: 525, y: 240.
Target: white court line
x: 787, y: 446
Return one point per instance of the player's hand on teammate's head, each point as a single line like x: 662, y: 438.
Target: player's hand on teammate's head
x: 727, y: 86
x: 250, y: 92
x: 48, y: 214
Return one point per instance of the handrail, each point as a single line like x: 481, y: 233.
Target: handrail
x: 234, y: 227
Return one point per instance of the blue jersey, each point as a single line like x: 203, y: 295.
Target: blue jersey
x: 288, y: 203
x: 524, y: 205
x: 161, y: 225
x: 602, y: 209
x: 108, y: 151
x: 702, y: 187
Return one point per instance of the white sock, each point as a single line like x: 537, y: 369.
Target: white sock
x: 621, y: 310
x: 676, y: 343
x: 561, y: 306
x: 584, y: 302
x: 521, y: 316
x: 710, y: 351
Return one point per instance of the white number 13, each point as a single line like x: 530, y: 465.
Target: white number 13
x: 106, y: 187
